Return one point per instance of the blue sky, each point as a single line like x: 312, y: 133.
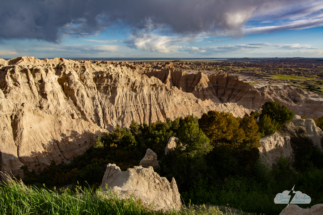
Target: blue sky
x: 161, y: 28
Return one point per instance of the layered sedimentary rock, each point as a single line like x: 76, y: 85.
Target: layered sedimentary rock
x: 222, y: 88
x: 53, y: 109
x: 297, y: 100
x: 143, y: 184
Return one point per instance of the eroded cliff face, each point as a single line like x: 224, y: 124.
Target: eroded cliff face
x: 297, y: 100
x: 54, y: 109
x: 223, y: 88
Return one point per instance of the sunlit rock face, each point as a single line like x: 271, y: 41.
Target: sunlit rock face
x: 144, y: 184
x: 223, y: 88
x: 280, y: 144
x: 54, y: 109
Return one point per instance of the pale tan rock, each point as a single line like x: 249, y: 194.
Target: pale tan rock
x: 3, y: 62
x: 306, y: 128
x: 53, y: 109
x: 279, y: 144
x: 273, y: 147
x: 150, y: 159
x: 223, y: 88
x: 171, y: 145
x: 24, y: 61
x: 296, y: 210
x: 301, y: 102
x: 143, y: 184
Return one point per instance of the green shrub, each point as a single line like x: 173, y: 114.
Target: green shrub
x: 278, y: 113
x: 267, y: 126
x: 319, y: 122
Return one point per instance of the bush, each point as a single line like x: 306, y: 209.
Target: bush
x: 267, y: 126
x: 319, y: 122
x: 278, y: 113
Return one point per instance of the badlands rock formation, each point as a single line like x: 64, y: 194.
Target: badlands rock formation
x: 150, y: 159
x: 296, y: 210
x: 143, y: 184
x: 53, y: 109
x: 273, y: 147
x: 279, y: 144
x: 222, y: 88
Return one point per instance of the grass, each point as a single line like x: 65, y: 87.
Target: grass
x: 242, y: 69
x: 17, y: 198
x: 252, y: 83
x: 288, y: 77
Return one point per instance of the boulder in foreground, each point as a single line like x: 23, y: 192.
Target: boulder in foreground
x: 296, y: 210
x: 144, y: 184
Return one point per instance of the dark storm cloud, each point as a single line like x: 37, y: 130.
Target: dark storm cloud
x: 50, y: 19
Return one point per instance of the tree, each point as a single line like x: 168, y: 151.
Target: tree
x: 222, y: 129
x: 267, y: 126
x: 187, y: 162
x: 192, y: 138
x: 278, y: 113
x: 251, y: 129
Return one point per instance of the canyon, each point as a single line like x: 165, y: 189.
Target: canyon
x: 53, y: 109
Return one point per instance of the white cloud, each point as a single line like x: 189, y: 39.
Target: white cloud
x: 155, y: 42
x: 294, y: 25
x: 6, y: 53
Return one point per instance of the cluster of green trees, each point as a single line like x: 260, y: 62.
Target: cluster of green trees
x: 216, y: 160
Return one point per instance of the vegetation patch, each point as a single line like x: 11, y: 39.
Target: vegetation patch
x: 288, y: 77
x: 216, y: 160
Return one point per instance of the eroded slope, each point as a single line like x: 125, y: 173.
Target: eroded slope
x: 54, y: 109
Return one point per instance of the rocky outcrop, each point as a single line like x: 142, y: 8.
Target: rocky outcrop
x: 296, y: 210
x: 150, y: 159
x: 218, y: 88
x: 273, y: 147
x: 143, y: 184
x: 301, y: 102
x: 223, y: 88
x: 279, y: 144
x: 53, y: 109
x: 304, y: 128
x: 171, y: 145
x: 3, y: 62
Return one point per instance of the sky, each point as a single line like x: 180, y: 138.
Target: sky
x: 161, y: 28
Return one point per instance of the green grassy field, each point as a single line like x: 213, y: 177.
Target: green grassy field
x: 288, y: 77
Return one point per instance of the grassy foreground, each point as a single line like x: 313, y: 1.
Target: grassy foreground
x: 17, y: 198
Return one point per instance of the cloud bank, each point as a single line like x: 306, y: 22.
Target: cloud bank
x: 50, y: 20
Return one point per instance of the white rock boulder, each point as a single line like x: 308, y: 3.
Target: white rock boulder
x: 144, y: 184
